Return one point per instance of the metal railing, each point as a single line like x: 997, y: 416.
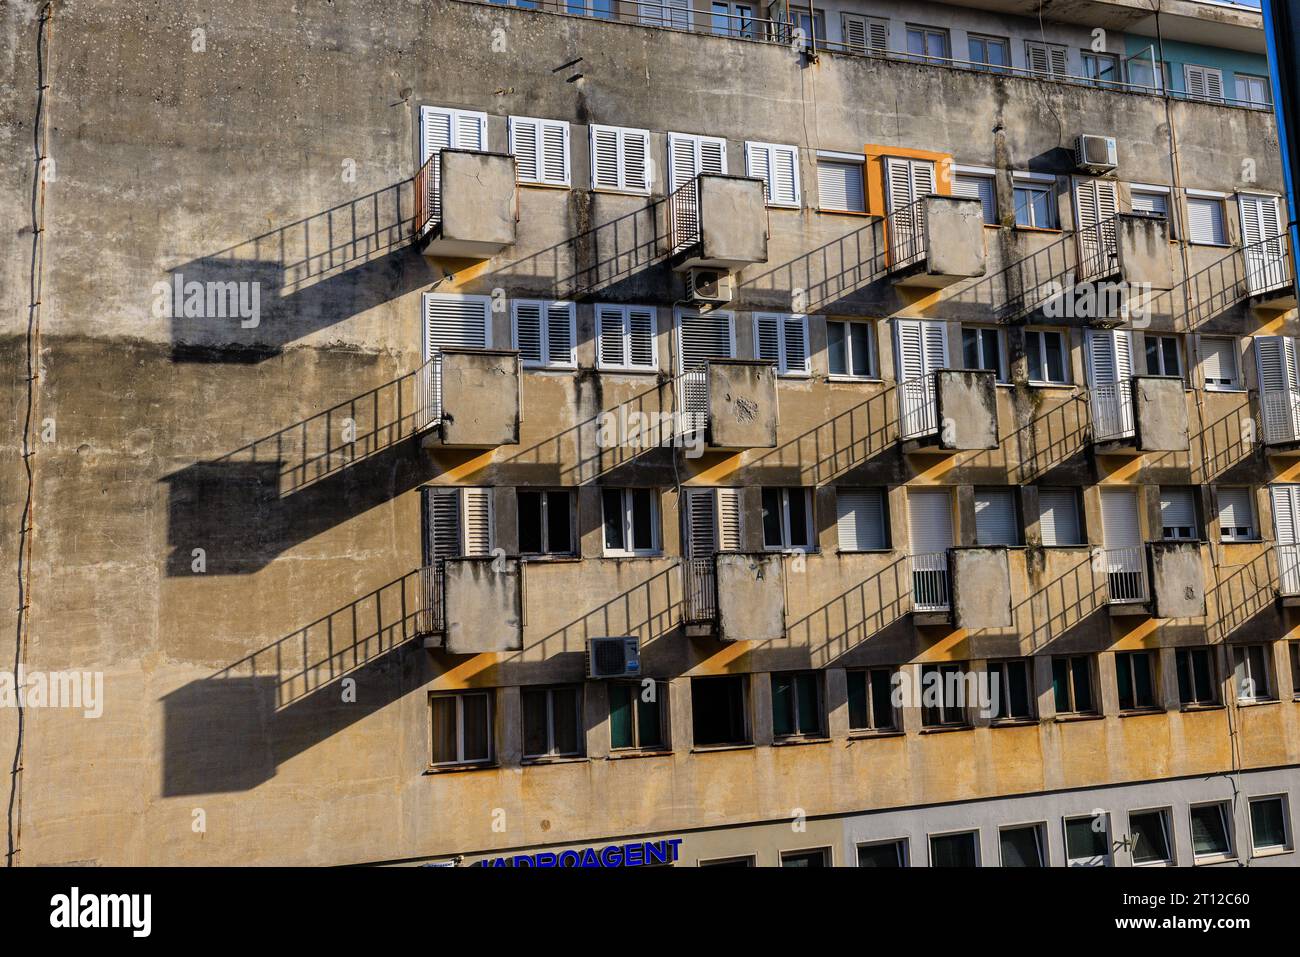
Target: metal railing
x: 428, y: 395
x: 700, y: 589
x: 918, y: 407
x: 430, y: 619
x: 1266, y: 265
x: 1288, y: 569
x: 905, y: 228
x: 930, y: 581
x: 1259, y: 267
x: 1280, y: 411
x: 694, y: 396
x: 1111, y: 405
x: 1126, y: 573
x: 684, y: 217
x: 1098, y: 247
x: 428, y: 203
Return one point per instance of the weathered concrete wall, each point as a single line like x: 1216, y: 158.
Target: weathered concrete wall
x: 966, y: 403
x: 751, y: 597
x: 954, y: 242
x: 733, y: 220
x: 743, y: 401
x: 981, y: 588
x: 479, y: 204
x: 1160, y: 414
x: 480, y: 398
x: 1177, y: 580
x: 484, y: 605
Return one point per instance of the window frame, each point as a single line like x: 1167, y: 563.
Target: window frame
x: 1096, y: 79
x: 544, y: 518
x: 540, y: 124
x: 1004, y: 690
x: 551, y: 751
x: 622, y: 134
x: 824, y: 852
x: 1234, y: 350
x: 811, y: 523
x: 1080, y: 534
x: 1041, y: 333
x: 1293, y: 654
x: 972, y: 833
x: 1226, y: 819
x: 1127, y: 659
x: 962, y: 709
x: 885, y: 531
x: 873, y: 365
x: 1187, y: 654
x: 926, y: 32
x: 741, y: 681
x: 634, y: 687
x: 900, y: 845
x: 1199, y: 196
x: 1242, y: 651
x: 1002, y: 372
x: 544, y: 332
x: 869, y: 698
x: 1040, y: 839
x: 628, y: 497
x: 1166, y: 816
x: 819, y: 733
x: 624, y: 312
x: 855, y: 160
x: 1105, y: 860
x: 1288, y: 839
x: 1034, y: 186
x: 782, y: 360
x: 1094, y: 699
x: 1009, y: 493
x: 1160, y: 342
x: 984, y: 66
x: 1249, y: 101
x: 460, y: 761
x: 768, y: 198
x: 1193, y: 531
x: 1252, y: 531
x: 987, y: 175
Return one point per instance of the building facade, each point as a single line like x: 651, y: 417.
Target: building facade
x: 912, y: 390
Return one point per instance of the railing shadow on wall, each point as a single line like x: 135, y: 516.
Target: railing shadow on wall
x: 846, y: 441
x: 1054, y: 439
x: 1217, y: 449
x: 830, y: 273
x: 1244, y: 597
x: 855, y: 615
x: 231, y: 730
x: 311, y: 273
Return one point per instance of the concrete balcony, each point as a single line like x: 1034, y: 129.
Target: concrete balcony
x: 466, y: 204
x: 981, y: 587
x: 951, y: 410
x: 1139, y: 414
x: 472, y: 398
x: 936, y: 241
x: 733, y: 402
x: 1288, y: 574
x: 735, y: 596
x: 1159, y: 579
x: 1267, y: 275
x: 1145, y: 254
x: 472, y: 605
x: 718, y: 222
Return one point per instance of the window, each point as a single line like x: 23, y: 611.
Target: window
x: 1087, y: 841
x: 1023, y: 846
x: 943, y: 696
x: 927, y: 43
x: 545, y: 522
x: 797, y: 705
x: 864, y: 33
x: 1146, y: 74
x: 996, y: 522
x: 851, y: 349
x: 1250, y: 672
x: 1103, y: 69
x: 816, y: 27
x: 871, y: 702
x: 787, y: 519
x: 452, y: 322
x: 620, y: 159
x: 1163, y: 356
x: 1147, y: 201
x: 982, y: 348
x: 1072, y: 684
x: 1135, y: 677
x: 1205, y: 221
x: 1269, y: 830
x: 690, y: 155
x: 462, y: 728
x: 1203, y: 82
x: 1196, y: 684
x: 541, y: 150
x: 782, y: 339
x: 778, y: 167
x: 631, y: 520
x: 1049, y: 59
x: 719, y: 709
x: 839, y: 183
x: 1211, y: 831
x: 1048, y: 358
x: 636, y: 715
x: 457, y: 522
x: 990, y: 52
x: 1177, y: 514
x: 1219, y: 364
x: 1236, y: 515
x: 545, y: 333
x: 1011, y: 683
x: 1295, y: 668
x: 883, y: 854
x: 733, y: 19
x: 1035, y: 204
x: 1058, y: 516
x: 978, y: 185
x: 955, y: 850
x: 1253, y: 91
x: 730, y: 862
x: 552, y: 722
x: 818, y: 857
x: 861, y: 519
x: 1151, y: 836
x: 447, y: 129
x: 626, y: 338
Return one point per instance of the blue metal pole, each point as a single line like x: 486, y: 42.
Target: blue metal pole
x: 1281, y: 21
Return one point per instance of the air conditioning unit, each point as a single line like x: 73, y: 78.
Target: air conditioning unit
x: 613, y: 657
x: 709, y: 285
x: 1096, y: 154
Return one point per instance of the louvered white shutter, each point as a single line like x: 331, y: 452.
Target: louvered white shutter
x: 863, y: 34
x: 690, y: 155
x: 1279, y: 387
x: 611, y: 330
x: 1219, y: 363
x: 767, y: 337
x: 605, y: 166
x: 620, y: 159
x: 1266, y: 265
x: 794, y: 345
x: 701, y: 524
x: 1153, y: 204
x: 441, y: 524
x: 704, y: 336
x: 929, y: 520
x: 1096, y: 205
x: 626, y: 337
x: 440, y: 129
x: 476, y: 520
x: 1177, y: 513
x: 839, y: 186
x: 921, y: 349
x: 995, y: 517
x: 453, y: 321
x: 981, y: 188
x: 561, y: 334
x: 544, y: 332
x: 860, y: 519
x: 777, y: 165
x: 729, y: 519
x: 642, y: 352
x: 1205, y: 220
x: 1110, y: 373
x: 1203, y: 82
x: 1058, y: 517
x: 541, y: 150
x: 1236, y: 517
x: 906, y: 181
x: 1286, y: 513
x: 528, y: 330
x: 1046, y: 58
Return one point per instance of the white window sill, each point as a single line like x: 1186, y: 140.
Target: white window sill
x: 1051, y: 385
x: 624, y: 555
x: 858, y: 379
x: 1213, y: 859
x: 1271, y: 851
x: 540, y: 185
x: 611, y: 191
x: 628, y: 370
x: 552, y: 367
x: 791, y: 206
x: 1230, y: 389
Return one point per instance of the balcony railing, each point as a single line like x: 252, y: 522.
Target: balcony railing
x: 918, y: 410
x: 1266, y: 265
x: 930, y: 581
x: 1098, y: 250
x: 428, y: 207
x: 684, y: 216
x: 1126, y: 573
x: 1280, y: 410
x: 700, y: 589
x: 1111, y: 404
x: 1288, y: 570
x: 428, y: 394
x: 430, y: 618
x: 906, y: 230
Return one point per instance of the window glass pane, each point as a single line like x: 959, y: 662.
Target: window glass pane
x: 809, y: 720
x: 1258, y: 670
x: 970, y: 349
x: 717, y: 706
x: 558, y: 529
x: 650, y: 735
x: 782, y: 705
x: 1124, y: 681
x: 772, y: 516
x: 620, y: 716
x: 564, y: 706
x: 992, y: 353
x: 1082, y: 684
x: 1142, y: 687
x: 1042, y: 202
x: 1267, y: 823
x: 444, y: 729
x: 799, y: 518
x: 835, y: 348
x: 880, y: 855
x: 1150, y: 843
x: 1017, y: 674
x: 1020, y: 847
x: 1201, y: 682
x: 612, y: 502
x: 1024, y: 210
x: 533, y: 703
x: 1055, y: 358
x: 809, y: 859
x: 530, y: 522
x: 860, y: 348
x: 1209, y: 831
x: 1061, y: 684
x: 882, y: 703
x: 1082, y: 842
x: 1033, y: 352
x: 477, y: 732
x: 953, y: 850
x: 858, y: 717
x: 643, y: 519
x: 1185, y: 692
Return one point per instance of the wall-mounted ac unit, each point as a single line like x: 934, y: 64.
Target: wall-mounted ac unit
x: 613, y: 657
x: 1096, y: 154
x: 709, y: 285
